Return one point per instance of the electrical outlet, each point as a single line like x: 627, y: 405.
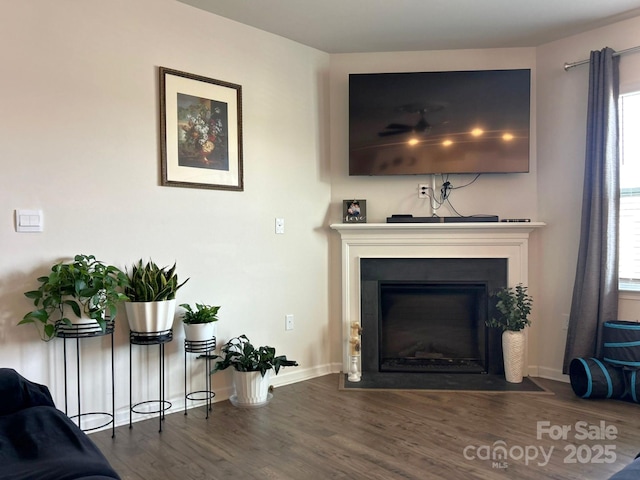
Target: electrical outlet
x: 423, y: 190
x: 288, y: 322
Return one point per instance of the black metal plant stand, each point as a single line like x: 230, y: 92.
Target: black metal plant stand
x: 151, y: 338
x: 77, y: 332
x: 206, y: 347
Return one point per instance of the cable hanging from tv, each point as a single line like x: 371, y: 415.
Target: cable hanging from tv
x: 445, y: 193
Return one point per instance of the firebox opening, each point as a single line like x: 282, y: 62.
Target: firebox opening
x: 438, y: 298
x: 428, y: 327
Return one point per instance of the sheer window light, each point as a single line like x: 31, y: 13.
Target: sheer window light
x: 629, y: 273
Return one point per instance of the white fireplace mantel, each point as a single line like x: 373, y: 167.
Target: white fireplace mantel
x: 426, y: 240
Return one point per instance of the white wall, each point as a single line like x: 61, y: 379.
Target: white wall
x: 513, y: 195
x: 562, y: 113
x: 79, y: 139
x: 551, y: 192
x: 388, y: 195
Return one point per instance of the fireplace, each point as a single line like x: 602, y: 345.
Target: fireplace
x: 428, y: 314
x: 374, y: 244
x: 432, y: 328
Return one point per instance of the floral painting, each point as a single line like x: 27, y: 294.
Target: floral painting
x: 201, y: 129
x: 202, y: 135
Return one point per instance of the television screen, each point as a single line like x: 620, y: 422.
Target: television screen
x: 439, y: 122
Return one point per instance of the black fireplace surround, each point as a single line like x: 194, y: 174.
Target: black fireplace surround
x: 427, y: 315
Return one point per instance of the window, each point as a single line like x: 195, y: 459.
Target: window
x: 629, y: 274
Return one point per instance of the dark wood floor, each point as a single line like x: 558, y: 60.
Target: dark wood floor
x: 312, y: 430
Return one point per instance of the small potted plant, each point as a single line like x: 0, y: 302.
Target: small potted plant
x: 513, y: 306
x: 251, y: 370
x: 83, y: 291
x: 152, y: 297
x: 199, y: 324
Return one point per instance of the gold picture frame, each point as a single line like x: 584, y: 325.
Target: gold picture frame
x: 201, y: 131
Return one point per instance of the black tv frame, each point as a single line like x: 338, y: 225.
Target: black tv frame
x: 453, y: 103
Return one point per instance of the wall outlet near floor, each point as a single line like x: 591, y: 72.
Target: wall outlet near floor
x: 423, y: 190
x: 288, y: 322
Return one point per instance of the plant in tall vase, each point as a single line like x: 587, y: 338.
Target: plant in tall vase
x: 513, y: 306
x: 252, y: 367
x: 152, y: 297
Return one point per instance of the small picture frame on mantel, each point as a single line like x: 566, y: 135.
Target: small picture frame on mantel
x: 354, y: 211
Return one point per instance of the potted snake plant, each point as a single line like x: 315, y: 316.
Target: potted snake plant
x: 252, y: 367
x: 152, y: 297
x: 83, y: 292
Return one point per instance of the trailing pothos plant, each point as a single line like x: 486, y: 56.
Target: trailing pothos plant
x: 85, y: 287
x: 513, y: 307
x: 240, y: 354
x: 150, y: 283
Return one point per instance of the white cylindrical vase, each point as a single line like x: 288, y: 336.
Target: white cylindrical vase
x: 513, y: 344
x: 354, y: 370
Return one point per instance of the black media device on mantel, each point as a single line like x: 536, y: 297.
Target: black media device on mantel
x: 408, y: 218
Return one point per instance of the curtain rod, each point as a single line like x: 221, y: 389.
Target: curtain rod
x: 568, y: 66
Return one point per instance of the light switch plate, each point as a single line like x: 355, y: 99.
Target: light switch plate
x: 29, y: 221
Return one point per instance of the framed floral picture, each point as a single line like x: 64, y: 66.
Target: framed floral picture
x: 201, y: 131
x: 354, y: 211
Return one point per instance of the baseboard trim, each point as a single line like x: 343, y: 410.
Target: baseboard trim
x: 288, y: 376
x: 552, y: 374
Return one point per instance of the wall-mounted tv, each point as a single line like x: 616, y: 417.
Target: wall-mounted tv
x: 439, y: 122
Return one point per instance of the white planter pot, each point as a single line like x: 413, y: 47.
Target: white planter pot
x: 252, y: 389
x: 146, y: 317
x: 84, y: 324
x: 513, y: 353
x: 199, y: 332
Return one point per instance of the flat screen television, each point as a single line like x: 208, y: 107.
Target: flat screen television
x: 439, y: 122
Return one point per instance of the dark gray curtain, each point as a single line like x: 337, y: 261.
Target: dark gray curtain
x: 595, y: 292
